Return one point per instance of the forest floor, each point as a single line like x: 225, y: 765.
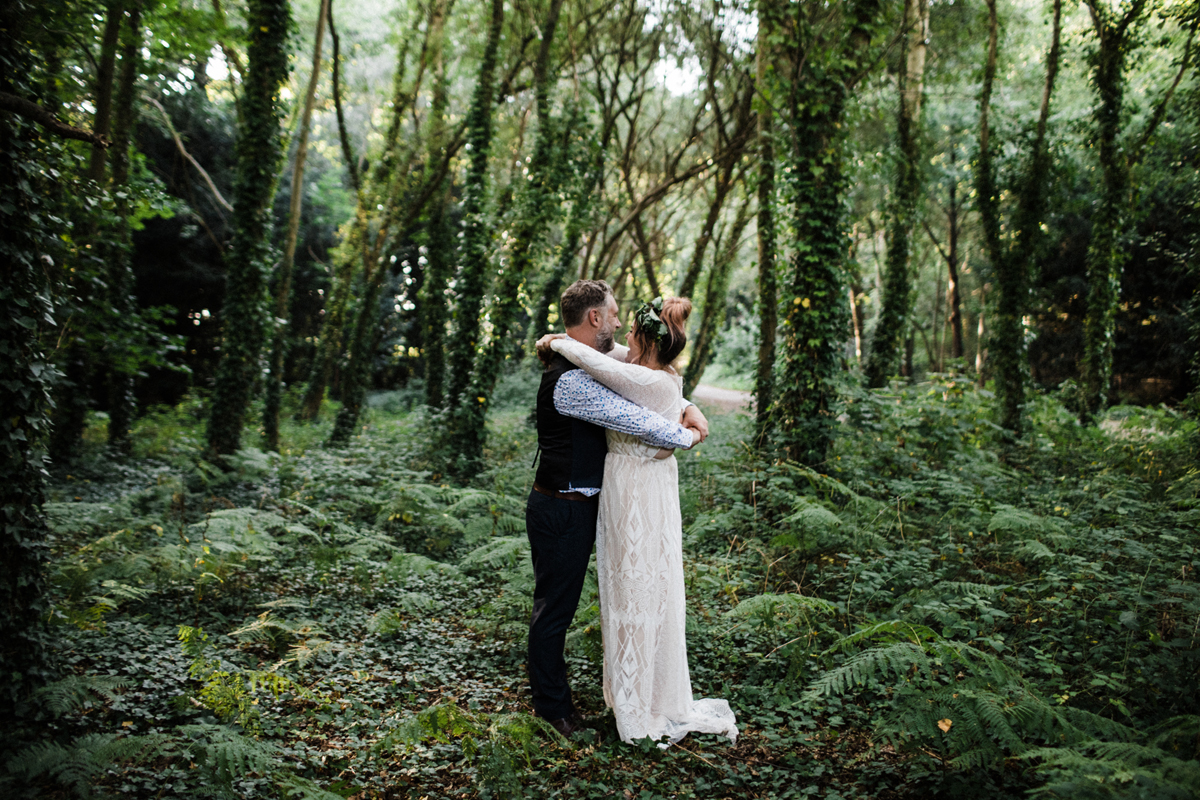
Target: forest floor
x: 351, y: 623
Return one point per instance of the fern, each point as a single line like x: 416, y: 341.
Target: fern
x: 77, y: 691
x: 497, y: 556
x: 768, y: 609
x: 76, y: 765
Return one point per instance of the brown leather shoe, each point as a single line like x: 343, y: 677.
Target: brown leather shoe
x: 567, y: 725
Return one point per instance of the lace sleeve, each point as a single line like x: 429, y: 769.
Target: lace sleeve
x: 650, y: 388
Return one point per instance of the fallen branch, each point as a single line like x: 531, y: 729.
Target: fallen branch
x: 212, y: 187
x: 32, y: 111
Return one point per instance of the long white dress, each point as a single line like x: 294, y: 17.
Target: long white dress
x: 639, y: 564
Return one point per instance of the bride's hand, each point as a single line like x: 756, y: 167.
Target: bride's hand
x: 544, y: 352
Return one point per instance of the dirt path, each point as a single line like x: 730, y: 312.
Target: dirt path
x: 724, y: 399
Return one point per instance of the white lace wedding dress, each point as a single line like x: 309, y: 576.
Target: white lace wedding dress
x: 639, y: 561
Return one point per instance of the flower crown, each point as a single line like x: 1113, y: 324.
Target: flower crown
x: 648, y: 318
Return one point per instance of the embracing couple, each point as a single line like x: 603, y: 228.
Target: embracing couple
x: 608, y: 421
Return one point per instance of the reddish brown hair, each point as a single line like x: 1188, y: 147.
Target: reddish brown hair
x: 674, y: 313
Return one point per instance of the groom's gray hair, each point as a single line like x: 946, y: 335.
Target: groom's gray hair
x: 580, y: 298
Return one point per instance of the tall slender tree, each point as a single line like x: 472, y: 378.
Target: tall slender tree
x: 244, y: 313
x: 716, y: 287
x: 27, y: 249
x: 440, y: 240
x: 1012, y: 258
x: 475, y: 251
x: 118, y: 350
x: 283, y: 276
x: 892, y: 324
x: 467, y: 421
x: 765, y: 59
x: 830, y: 52
x: 1116, y: 36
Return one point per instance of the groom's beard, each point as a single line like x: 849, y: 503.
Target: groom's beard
x: 604, y: 342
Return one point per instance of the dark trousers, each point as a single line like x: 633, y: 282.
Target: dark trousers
x: 561, y: 535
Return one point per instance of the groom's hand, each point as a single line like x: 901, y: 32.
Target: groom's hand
x: 544, y: 352
x: 692, y: 418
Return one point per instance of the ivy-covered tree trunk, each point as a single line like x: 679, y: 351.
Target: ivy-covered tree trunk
x: 118, y: 350
x: 71, y: 391
x: 893, y: 322
x: 244, y: 313
x: 476, y: 232
x: 468, y: 428
x: 1012, y: 259
x: 431, y: 300
x: 814, y: 298
x: 1105, y: 255
x: 283, y: 279
x: 25, y: 375
x: 587, y: 174
x: 768, y: 282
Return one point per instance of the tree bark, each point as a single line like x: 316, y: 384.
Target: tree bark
x: 1105, y: 255
x: 467, y: 422
x: 768, y: 294
x: 245, y: 311
x: 119, y: 355
x: 105, y: 71
x: 283, y: 285
x: 893, y: 323
x: 477, y: 232
x: 815, y: 322
x: 712, y: 315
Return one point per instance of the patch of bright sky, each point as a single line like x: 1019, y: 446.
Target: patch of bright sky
x: 216, y: 68
x: 680, y: 73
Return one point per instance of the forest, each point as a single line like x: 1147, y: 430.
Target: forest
x: 274, y: 272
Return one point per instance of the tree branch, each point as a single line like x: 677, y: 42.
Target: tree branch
x: 1160, y: 111
x: 32, y: 111
x: 188, y: 156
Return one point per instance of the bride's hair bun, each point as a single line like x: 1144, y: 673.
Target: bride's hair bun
x: 674, y: 313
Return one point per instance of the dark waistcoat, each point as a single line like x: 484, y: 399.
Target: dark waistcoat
x: 572, y: 451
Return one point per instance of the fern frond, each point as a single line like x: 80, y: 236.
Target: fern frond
x: 788, y: 606
x: 76, y: 691
x: 498, y: 554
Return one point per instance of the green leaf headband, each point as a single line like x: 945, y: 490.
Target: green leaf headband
x: 648, y: 318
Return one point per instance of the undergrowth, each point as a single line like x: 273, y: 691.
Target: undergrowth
x: 936, y: 612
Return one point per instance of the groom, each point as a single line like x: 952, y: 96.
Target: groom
x: 560, y: 517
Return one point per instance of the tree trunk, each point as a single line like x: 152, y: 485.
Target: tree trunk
x: 119, y: 356
x: 768, y: 295
x: 244, y: 312
x: 106, y: 69
x: 432, y: 297
x: 468, y: 422
x: 1012, y: 258
x: 1105, y: 255
x: 25, y: 376
x: 898, y: 279
x: 343, y: 137
x: 477, y: 232
x: 589, y: 171
x: 283, y: 280
x: 815, y: 321
x: 952, y: 293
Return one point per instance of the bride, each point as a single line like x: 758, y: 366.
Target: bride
x: 639, y: 547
